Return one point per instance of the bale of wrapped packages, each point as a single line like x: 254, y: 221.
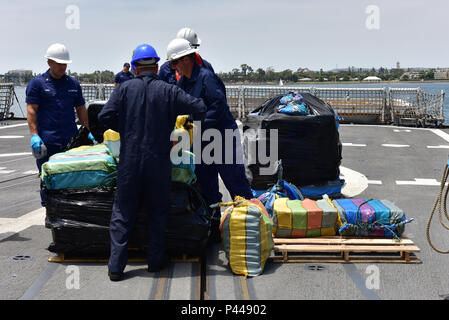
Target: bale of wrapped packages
x: 369, y: 217
x: 308, y: 142
x: 82, y: 167
x: 305, y: 218
x: 246, y: 230
x: 79, y: 220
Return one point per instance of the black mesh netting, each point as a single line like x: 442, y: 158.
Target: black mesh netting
x: 308, y: 145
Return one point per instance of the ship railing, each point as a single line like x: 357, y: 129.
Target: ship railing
x: 402, y: 106
x: 107, y: 90
x: 244, y: 99
x: 6, y: 100
x: 92, y: 92
x: 413, y: 106
x: 356, y: 104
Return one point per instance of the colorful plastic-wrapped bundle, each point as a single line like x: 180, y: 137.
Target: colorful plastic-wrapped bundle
x: 281, y: 189
x: 184, y: 171
x: 374, y: 218
x: 246, y: 230
x: 293, y: 104
x: 83, y: 167
x: 306, y: 218
x: 111, y: 139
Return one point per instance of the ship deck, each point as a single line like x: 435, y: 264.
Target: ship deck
x: 400, y: 164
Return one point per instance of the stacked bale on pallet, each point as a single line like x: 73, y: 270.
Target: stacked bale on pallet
x: 249, y: 226
x: 345, y: 217
x: 79, y: 220
x: 80, y: 188
x: 308, y: 144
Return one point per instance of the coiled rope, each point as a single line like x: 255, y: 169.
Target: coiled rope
x: 438, y: 203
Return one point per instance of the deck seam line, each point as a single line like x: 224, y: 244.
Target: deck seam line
x: 358, y: 280
x: 40, y: 282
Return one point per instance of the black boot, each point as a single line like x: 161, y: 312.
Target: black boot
x: 115, y: 276
x: 215, y: 235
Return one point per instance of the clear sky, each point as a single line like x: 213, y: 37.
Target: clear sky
x: 283, y: 34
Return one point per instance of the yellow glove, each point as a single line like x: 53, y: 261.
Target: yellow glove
x: 183, y: 124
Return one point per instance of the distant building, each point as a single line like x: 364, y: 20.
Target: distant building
x: 412, y: 75
x: 398, y: 65
x: 20, y: 72
x: 441, y: 74
x: 19, y: 75
x: 372, y: 79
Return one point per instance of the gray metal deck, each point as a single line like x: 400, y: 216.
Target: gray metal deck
x: 391, y: 172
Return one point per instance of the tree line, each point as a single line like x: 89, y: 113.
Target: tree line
x: 97, y: 76
x: 247, y: 74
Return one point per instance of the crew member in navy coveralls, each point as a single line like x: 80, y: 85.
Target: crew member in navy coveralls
x: 123, y: 75
x: 144, y: 110
x: 168, y: 74
x: 202, y: 83
x: 51, y: 99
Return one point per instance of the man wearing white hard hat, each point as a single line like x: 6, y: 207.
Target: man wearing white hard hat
x: 51, y: 100
x: 167, y: 73
x: 202, y: 83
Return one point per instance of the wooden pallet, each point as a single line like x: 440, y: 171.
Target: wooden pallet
x: 345, y: 249
x: 133, y: 256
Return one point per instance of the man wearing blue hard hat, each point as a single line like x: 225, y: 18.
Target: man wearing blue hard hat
x: 202, y: 83
x: 51, y: 100
x: 144, y: 110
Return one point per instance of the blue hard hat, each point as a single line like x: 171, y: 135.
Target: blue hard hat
x: 144, y: 51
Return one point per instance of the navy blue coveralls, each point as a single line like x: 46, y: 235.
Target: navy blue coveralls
x: 123, y: 76
x: 144, y: 110
x: 56, y: 124
x: 206, y: 85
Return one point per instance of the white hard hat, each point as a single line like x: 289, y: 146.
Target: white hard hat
x: 178, y: 48
x: 189, y: 35
x: 59, y: 53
